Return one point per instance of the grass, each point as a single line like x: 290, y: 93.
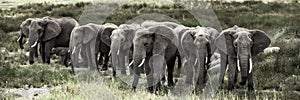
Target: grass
x: 276, y: 75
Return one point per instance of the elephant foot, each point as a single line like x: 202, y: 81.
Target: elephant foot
x: 250, y: 88
x: 171, y: 84
x: 104, y: 69
x: 150, y: 89
x: 230, y: 87
x: 31, y: 62
x: 133, y: 89
x: 242, y: 83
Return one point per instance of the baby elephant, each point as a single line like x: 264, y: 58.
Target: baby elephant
x: 63, y: 52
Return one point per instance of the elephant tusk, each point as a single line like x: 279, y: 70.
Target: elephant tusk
x: 118, y: 52
x: 206, y: 59
x: 73, y: 50
x: 250, y: 64
x: 196, y: 62
x: 238, y: 64
x: 109, y: 53
x: 130, y: 63
x: 19, y: 39
x: 184, y: 62
x: 141, y: 64
x: 35, y: 43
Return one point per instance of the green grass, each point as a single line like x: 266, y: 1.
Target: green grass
x: 276, y: 75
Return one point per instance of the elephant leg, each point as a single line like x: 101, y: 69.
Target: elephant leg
x: 122, y: 63
x: 105, y: 63
x: 48, y: 46
x: 190, y: 69
x: 31, y: 55
x: 84, y: 56
x: 36, y: 52
x: 149, y: 73
x: 92, y: 58
x: 42, y: 51
x: 100, y: 60
x: 223, y: 67
x: 250, y: 82
x: 231, y: 72
x: 170, y: 68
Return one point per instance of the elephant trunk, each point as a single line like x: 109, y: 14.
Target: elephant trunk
x: 75, y: 55
x: 115, y: 50
x: 202, y: 57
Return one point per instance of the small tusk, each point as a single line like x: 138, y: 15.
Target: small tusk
x: 130, y: 63
x: 184, y: 62
x: 73, y: 50
x: 141, y: 64
x: 19, y: 39
x: 109, y: 53
x: 250, y: 64
x: 206, y: 59
x: 35, y: 43
x: 238, y: 64
x: 118, y: 52
x: 196, y: 62
x: 26, y: 42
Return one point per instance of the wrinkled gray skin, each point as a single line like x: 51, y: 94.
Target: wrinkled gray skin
x: 203, y: 41
x: 86, y: 40
x: 157, y: 41
x: 122, y: 45
x: 63, y: 52
x: 50, y: 32
x: 237, y: 48
x: 172, y: 25
x: 149, y: 23
x: 24, y: 33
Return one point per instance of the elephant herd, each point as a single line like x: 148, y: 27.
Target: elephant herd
x: 151, y: 47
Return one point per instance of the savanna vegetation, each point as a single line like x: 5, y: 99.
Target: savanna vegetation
x: 276, y: 75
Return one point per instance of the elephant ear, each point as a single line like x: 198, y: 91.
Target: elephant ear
x: 187, y: 42
x: 224, y: 42
x: 106, y: 33
x: 213, y: 34
x: 260, y: 41
x: 88, y: 34
x: 25, y: 27
x: 165, y: 31
x: 52, y: 30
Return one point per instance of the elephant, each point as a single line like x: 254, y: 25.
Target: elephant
x: 86, y: 40
x: 149, y: 23
x: 122, y: 45
x: 199, y: 44
x: 156, y: 44
x: 24, y: 33
x: 50, y: 32
x: 63, y: 52
x: 237, y: 47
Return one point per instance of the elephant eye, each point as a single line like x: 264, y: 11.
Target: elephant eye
x: 235, y: 44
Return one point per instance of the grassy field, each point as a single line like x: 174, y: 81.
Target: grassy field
x: 276, y: 75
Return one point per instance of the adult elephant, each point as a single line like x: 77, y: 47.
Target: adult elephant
x: 149, y: 23
x: 122, y: 45
x: 50, y: 32
x: 237, y: 46
x: 24, y: 33
x: 153, y: 47
x: 86, y: 40
x: 199, y: 43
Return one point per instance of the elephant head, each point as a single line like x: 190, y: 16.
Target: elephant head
x: 106, y: 32
x: 242, y: 44
x: 81, y: 36
x: 24, y: 31
x: 43, y: 30
x: 200, y: 41
x: 154, y: 40
x: 121, y: 44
